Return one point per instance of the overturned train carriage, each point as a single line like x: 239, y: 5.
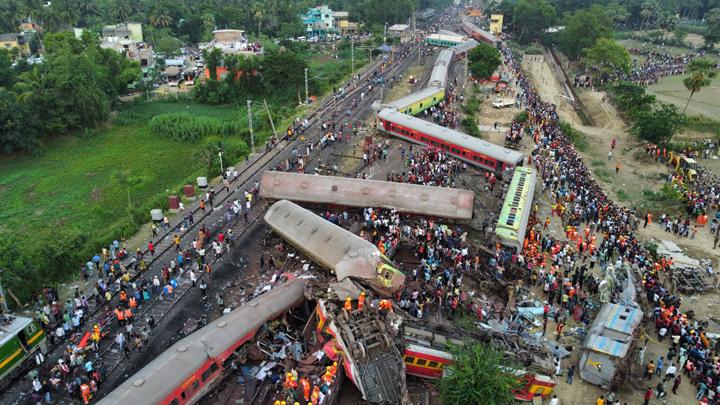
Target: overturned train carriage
x: 415, y: 199
x: 189, y: 369
x: 346, y: 254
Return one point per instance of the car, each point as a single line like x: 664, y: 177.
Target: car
x: 313, y: 39
x: 301, y: 39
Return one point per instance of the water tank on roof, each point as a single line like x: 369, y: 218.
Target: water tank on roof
x: 156, y: 214
x: 202, y: 182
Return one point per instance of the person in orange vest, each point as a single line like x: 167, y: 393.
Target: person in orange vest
x: 85, y: 392
x: 348, y: 304
x: 120, y: 316
x: 133, y: 303
x: 128, y: 315
x: 315, y: 396
x: 385, y: 307
x: 123, y: 297
x: 306, y: 388
x: 361, y: 301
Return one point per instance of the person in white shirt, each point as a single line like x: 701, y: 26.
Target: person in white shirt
x: 670, y: 372
x: 554, y: 400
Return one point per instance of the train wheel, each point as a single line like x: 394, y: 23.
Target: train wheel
x: 361, y: 350
x: 386, y: 340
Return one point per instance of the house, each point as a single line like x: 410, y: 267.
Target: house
x: 30, y: 25
x: 319, y: 21
x: 12, y: 40
x: 343, y: 25
x: 131, y: 31
x: 400, y: 30
x: 496, y: 23
x: 231, y: 41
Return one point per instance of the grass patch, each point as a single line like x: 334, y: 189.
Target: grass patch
x: 576, y: 137
x: 597, y: 163
x: 603, y: 174
x: 703, y: 123
x: 622, y: 195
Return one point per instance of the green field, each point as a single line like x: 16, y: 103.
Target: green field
x: 671, y: 90
x: 64, y: 203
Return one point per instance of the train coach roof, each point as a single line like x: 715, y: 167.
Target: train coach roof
x: 464, y: 46
x: 415, y: 199
x: 414, y: 97
x: 7, y: 332
x: 160, y: 377
x: 451, y: 136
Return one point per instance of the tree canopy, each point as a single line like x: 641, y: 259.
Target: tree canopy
x: 583, y: 29
x: 483, y: 60
x: 72, y: 89
x: 659, y: 124
x: 701, y: 71
x: 479, y: 374
x: 531, y: 18
x: 607, y: 58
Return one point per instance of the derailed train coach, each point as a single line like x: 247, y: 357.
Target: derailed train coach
x: 336, y: 249
x: 190, y: 368
x: 413, y: 199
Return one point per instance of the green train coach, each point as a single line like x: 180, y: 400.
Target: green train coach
x: 19, y: 340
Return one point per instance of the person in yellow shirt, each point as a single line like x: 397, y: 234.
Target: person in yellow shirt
x: 600, y: 401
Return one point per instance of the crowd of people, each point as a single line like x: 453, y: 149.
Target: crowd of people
x: 656, y: 65
x: 580, y: 201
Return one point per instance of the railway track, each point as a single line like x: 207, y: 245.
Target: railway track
x: 19, y: 391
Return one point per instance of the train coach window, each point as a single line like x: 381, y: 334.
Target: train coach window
x: 433, y: 364
x: 207, y: 373
x: 183, y: 395
x: 409, y: 359
x: 175, y: 402
x: 421, y: 362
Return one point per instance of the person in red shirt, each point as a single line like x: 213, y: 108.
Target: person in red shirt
x: 648, y: 395
x: 151, y: 248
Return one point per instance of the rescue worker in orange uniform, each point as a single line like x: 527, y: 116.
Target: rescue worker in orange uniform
x: 133, y: 303
x: 128, y: 315
x: 385, y: 307
x: 85, y: 392
x: 361, y: 301
x: 123, y: 296
x: 315, y: 397
x: 306, y: 388
x: 120, y: 316
x: 348, y: 304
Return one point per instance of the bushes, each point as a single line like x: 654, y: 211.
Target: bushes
x: 185, y: 127
x: 576, y: 137
x: 470, y: 127
x: 521, y: 117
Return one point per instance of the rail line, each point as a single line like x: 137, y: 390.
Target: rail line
x: 159, y: 309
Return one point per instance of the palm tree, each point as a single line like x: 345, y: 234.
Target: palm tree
x: 702, y: 71
x: 649, y: 10
x: 122, y: 10
x: 28, y: 84
x: 161, y: 20
x: 11, y: 14
x: 259, y: 15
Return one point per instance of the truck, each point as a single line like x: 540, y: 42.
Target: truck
x: 503, y: 102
